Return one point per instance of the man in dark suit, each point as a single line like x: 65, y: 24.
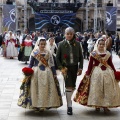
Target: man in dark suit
x: 58, y: 38
x: 85, y: 46
x: 69, y: 57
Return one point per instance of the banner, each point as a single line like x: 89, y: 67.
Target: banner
x: 54, y: 17
x: 9, y: 22
x: 111, y: 18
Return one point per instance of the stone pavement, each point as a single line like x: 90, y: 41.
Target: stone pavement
x: 10, y: 81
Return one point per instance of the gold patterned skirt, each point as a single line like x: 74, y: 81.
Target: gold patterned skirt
x: 44, y: 89
x: 104, y: 90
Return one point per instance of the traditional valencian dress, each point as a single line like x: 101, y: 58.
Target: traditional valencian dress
x: 44, y: 89
x: 45, y: 92
x: 27, y: 48
x: 53, y: 49
x: 11, y: 50
x: 104, y: 90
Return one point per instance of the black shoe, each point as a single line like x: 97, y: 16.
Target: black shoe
x: 69, y: 111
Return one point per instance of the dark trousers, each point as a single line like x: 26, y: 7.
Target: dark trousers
x: 86, y: 53
x: 116, y: 48
x: 70, y: 80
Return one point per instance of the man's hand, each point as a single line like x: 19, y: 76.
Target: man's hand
x: 79, y: 72
x: 64, y: 71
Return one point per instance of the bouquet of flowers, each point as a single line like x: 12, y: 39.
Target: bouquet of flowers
x: 28, y: 74
x: 27, y: 71
x: 24, y: 98
x: 117, y: 75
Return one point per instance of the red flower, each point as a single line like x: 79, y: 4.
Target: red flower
x: 65, y: 56
x: 27, y: 71
x: 64, y: 60
x: 117, y: 75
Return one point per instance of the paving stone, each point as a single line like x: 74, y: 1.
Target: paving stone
x: 3, y: 118
x: 16, y: 118
x: 10, y: 90
x: 5, y: 104
x: 15, y: 112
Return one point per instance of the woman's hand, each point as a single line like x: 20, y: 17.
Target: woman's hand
x: 79, y: 72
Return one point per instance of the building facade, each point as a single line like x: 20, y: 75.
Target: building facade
x: 89, y: 16
x: 118, y: 15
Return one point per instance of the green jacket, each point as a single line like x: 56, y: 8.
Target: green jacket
x: 63, y: 54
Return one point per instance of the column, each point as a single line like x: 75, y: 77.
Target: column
x: 16, y: 14
x: 95, y: 17
x: 86, y: 17
x: 0, y: 21
x: 25, y: 14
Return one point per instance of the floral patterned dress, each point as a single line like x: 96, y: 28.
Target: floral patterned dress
x: 44, y: 90
x: 104, y: 90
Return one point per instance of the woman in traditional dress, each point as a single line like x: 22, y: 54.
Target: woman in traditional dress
x: 27, y: 48
x: 44, y: 87
x: 104, y: 90
x: 90, y: 43
x: 44, y: 90
x: 52, y: 47
x: 11, y: 49
x: 21, y: 55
